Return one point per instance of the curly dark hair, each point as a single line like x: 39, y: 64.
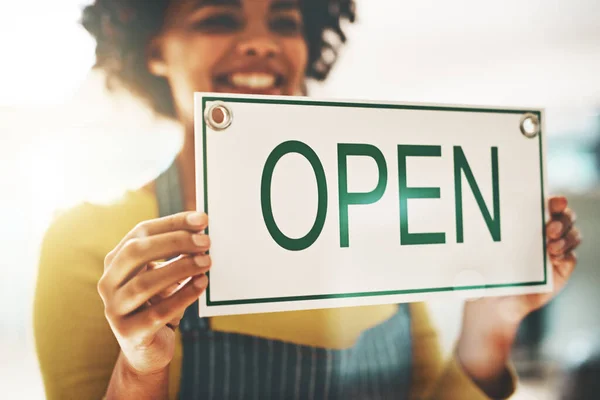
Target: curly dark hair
x: 123, y: 28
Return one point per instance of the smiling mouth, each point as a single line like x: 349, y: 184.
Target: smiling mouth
x: 251, y: 82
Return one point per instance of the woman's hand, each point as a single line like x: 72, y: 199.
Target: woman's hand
x: 490, y: 324
x: 145, y: 301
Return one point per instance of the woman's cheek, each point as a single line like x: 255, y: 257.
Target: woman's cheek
x: 199, y: 54
x: 296, y: 53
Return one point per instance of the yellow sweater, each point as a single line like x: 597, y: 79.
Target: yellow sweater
x: 77, y: 350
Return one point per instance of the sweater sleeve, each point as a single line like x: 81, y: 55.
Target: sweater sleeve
x: 75, y: 345
x: 433, y: 377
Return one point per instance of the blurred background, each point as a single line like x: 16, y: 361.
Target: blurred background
x: 63, y: 137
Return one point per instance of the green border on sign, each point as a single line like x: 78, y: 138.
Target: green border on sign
x: 378, y: 106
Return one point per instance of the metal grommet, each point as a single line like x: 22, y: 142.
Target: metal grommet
x: 218, y: 116
x: 530, y: 125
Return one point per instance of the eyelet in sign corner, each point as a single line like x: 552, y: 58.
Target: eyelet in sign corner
x: 218, y: 116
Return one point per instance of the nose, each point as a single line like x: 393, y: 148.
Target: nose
x: 262, y: 47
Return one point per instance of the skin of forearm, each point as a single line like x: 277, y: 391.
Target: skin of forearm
x: 126, y: 383
x: 485, y: 356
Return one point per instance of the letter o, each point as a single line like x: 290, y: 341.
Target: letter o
x: 293, y: 146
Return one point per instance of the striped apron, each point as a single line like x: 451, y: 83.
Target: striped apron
x: 219, y: 365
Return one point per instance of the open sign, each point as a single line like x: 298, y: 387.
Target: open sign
x: 317, y: 204
x: 347, y: 199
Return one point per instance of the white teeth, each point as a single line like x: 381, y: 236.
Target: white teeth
x: 253, y: 80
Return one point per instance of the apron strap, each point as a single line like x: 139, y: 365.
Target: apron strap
x: 170, y: 201
x: 168, y: 192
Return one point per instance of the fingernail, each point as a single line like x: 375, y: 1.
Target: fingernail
x: 196, y: 218
x: 202, y: 261
x: 200, y: 240
x: 555, y: 228
x: 200, y: 281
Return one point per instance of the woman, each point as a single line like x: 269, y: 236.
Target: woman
x: 107, y: 322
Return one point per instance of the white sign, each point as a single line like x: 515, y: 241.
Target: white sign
x: 319, y: 203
